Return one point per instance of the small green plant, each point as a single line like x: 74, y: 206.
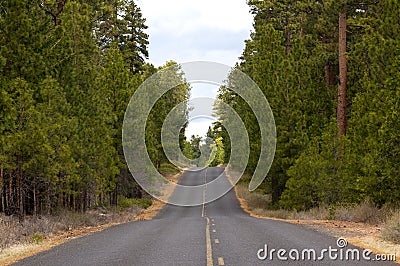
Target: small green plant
x: 37, y: 238
x: 168, y: 169
x: 143, y: 202
x: 331, y: 212
x: 125, y: 203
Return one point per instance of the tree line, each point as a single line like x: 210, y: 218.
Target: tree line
x: 330, y: 71
x: 67, y: 72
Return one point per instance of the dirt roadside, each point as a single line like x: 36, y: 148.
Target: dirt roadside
x: 20, y: 251
x: 157, y: 205
x: 359, y: 234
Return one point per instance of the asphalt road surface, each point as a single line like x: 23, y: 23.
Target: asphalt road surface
x: 217, y: 233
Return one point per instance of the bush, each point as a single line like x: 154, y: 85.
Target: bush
x: 37, y: 238
x: 168, y: 169
x: 125, y: 203
x: 365, y: 212
x: 71, y: 220
x: 391, y: 229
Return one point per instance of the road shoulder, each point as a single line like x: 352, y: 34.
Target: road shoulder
x: 359, y: 234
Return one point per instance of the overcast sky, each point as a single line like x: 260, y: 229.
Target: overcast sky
x: 193, y: 30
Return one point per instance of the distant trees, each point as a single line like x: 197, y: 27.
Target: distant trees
x: 332, y: 145
x: 191, y: 148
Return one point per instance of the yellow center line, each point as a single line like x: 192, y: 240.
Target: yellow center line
x: 203, y: 214
x: 204, y: 194
x: 208, y: 243
x: 221, y: 261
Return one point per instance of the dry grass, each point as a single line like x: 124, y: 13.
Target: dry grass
x: 35, y: 234
x: 20, y: 251
x: 36, y: 229
x: 258, y: 205
x: 391, y: 229
x: 359, y: 224
x: 254, y: 200
x: 365, y: 212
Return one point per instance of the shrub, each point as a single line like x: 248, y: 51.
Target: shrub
x: 168, y: 169
x: 36, y: 238
x: 365, y: 212
x: 391, y: 229
x: 129, y: 203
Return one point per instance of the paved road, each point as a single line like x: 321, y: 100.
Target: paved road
x: 218, y: 233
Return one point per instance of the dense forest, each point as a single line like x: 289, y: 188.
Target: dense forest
x: 330, y: 71
x: 67, y: 72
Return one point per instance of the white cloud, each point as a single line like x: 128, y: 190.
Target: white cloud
x: 187, y: 30
x: 203, y: 90
x: 198, y: 127
x: 228, y: 57
x: 191, y: 30
x: 186, y: 15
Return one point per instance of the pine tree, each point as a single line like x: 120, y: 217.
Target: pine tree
x: 122, y: 24
x: 373, y: 142
x: 162, y: 107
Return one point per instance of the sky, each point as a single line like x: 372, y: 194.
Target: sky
x: 193, y: 30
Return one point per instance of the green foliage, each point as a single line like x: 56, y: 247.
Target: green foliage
x: 124, y: 203
x: 168, y: 169
x: 187, y: 150
x: 220, y: 152
x: 66, y: 75
x: 373, y: 149
x: 162, y: 107
x: 314, y: 177
x: 37, y: 238
x: 292, y: 56
x: 331, y: 212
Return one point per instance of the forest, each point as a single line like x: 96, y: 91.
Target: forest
x: 67, y: 72
x: 330, y: 71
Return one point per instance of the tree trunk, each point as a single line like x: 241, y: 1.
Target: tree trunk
x: 34, y: 200
x: 20, y: 194
x: 342, y: 102
x: 48, y: 200
x: 329, y: 75
x: 11, y: 199
x: 1, y: 190
x: 116, y: 194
